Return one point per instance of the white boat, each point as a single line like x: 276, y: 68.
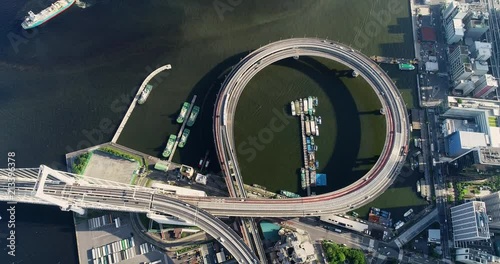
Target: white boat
x: 297, y: 107
x: 317, y: 130
x: 409, y: 212
x: 398, y: 225
x: 308, y: 126
x: 313, y: 126
x: 292, y: 107
x: 305, y: 107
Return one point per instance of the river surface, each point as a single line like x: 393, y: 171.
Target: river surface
x: 66, y: 85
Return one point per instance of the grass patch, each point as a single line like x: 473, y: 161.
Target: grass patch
x: 81, y: 162
x: 119, y: 153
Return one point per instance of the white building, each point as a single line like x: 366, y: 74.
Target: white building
x: 434, y: 236
x: 465, y: 87
x: 461, y: 142
x: 454, y: 31
x: 480, y: 50
x: 472, y: 256
x: 483, y: 113
x: 484, y: 86
x: 470, y: 222
x: 303, y: 250
x: 201, y: 179
x: 455, y: 10
x: 479, y: 68
x: 492, y: 202
x: 460, y: 64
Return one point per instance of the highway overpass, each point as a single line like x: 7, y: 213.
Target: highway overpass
x: 377, y: 180
x: 72, y: 192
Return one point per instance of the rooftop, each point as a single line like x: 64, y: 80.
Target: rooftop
x: 493, y: 107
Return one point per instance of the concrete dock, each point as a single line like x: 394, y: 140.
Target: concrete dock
x: 304, y: 148
x: 182, y: 129
x: 389, y: 60
x: 134, y: 102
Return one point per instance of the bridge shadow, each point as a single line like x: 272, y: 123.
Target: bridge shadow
x: 348, y: 139
x: 201, y: 136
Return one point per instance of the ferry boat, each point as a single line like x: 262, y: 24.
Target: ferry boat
x: 406, y: 67
x: 308, y: 126
x: 297, y: 107
x: 313, y: 178
x: 145, y: 93
x: 305, y: 107
x: 310, y: 103
x: 303, y: 178
x: 292, y: 107
x: 182, y: 114
x: 35, y: 20
x: 313, y: 126
x: 408, y: 213
x: 193, y: 115
x: 398, y: 225
x: 289, y: 194
x: 184, y: 137
x: 170, y: 146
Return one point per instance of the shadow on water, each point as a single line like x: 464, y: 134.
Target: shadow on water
x: 343, y: 166
x: 406, y: 81
x: 347, y: 142
x: 201, y: 136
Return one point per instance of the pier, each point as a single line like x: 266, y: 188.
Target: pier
x: 389, y: 60
x: 304, y: 148
x: 179, y: 135
x: 134, y: 102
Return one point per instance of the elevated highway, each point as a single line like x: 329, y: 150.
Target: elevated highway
x: 72, y: 192
x: 75, y: 194
x: 377, y: 180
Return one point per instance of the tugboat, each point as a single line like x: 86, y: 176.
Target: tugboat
x: 145, y: 94
x: 193, y: 115
x: 182, y: 114
x: 184, y: 137
x: 170, y: 146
